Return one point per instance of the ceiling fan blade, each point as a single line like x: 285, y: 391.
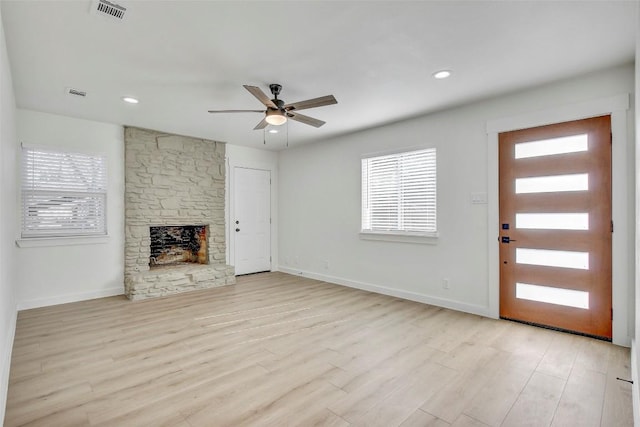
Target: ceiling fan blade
x: 305, y: 119
x: 263, y: 124
x: 236, y: 111
x: 311, y: 103
x: 262, y: 97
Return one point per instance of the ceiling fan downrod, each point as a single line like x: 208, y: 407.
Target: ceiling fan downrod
x: 275, y: 90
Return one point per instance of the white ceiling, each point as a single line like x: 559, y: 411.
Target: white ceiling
x: 182, y: 58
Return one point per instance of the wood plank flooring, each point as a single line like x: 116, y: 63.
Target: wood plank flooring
x: 281, y: 350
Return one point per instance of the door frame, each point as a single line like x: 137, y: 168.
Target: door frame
x: 621, y: 163
x: 230, y: 211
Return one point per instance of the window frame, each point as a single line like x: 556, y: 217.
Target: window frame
x: 34, y: 238
x: 423, y: 237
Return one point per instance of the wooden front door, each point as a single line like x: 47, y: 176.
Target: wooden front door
x: 555, y: 226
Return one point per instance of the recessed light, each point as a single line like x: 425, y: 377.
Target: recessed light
x: 273, y: 130
x: 130, y: 100
x: 442, y: 74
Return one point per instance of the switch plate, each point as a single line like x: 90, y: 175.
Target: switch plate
x: 478, y: 198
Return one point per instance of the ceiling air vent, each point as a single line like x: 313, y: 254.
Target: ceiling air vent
x: 76, y: 92
x: 108, y: 9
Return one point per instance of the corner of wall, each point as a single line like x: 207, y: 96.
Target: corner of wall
x: 636, y: 280
x: 8, y: 220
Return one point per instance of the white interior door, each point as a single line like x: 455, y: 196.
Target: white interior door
x: 252, y: 222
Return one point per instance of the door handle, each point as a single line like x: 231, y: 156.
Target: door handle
x: 237, y: 229
x: 506, y: 239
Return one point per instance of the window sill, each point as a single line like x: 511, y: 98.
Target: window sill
x: 424, y: 239
x: 41, y: 242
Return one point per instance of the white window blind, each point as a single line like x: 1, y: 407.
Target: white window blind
x: 399, y: 193
x: 63, y: 193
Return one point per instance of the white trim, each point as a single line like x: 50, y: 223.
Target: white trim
x: 617, y: 106
x: 65, y: 299
x: 565, y: 113
x: 398, y: 293
x: 6, y: 365
x: 635, y: 387
x: 394, y: 236
x: 40, y: 242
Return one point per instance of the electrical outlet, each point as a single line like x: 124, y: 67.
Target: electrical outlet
x: 296, y: 260
x: 445, y: 283
x: 326, y: 264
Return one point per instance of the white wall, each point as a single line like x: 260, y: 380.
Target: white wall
x: 320, y: 200
x: 59, y: 274
x: 8, y: 208
x: 251, y: 158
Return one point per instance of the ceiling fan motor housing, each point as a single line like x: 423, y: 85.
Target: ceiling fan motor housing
x: 275, y: 89
x: 279, y: 103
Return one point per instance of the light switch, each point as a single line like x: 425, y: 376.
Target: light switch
x: 479, y: 198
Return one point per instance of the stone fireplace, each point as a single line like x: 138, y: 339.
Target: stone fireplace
x: 174, y: 214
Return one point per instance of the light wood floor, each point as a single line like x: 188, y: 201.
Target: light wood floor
x: 279, y: 350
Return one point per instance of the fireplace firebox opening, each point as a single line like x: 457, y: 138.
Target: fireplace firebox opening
x: 178, y: 244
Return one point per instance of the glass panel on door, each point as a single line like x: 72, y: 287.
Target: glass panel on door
x: 548, y: 147
x: 551, y: 295
x: 552, y: 184
x: 549, y: 258
x: 553, y: 221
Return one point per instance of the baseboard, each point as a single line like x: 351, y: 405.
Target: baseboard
x: 398, y: 293
x: 635, y: 397
x: 6, y: 366
x: 64, y: 299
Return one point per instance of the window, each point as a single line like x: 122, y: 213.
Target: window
x: 64, y: 194
x: 399, y: 193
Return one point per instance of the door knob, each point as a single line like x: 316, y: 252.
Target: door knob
x: 237, y: 229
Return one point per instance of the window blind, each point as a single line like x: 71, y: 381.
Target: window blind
x: 63, y: 193
x: 399, y: 192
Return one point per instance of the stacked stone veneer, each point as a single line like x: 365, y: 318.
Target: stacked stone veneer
x: 173, y: 180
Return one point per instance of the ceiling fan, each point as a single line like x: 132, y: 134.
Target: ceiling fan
x: 278, y: 112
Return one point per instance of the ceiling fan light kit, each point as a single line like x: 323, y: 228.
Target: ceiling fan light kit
x: 275, y: 117
x: 277, y: 112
